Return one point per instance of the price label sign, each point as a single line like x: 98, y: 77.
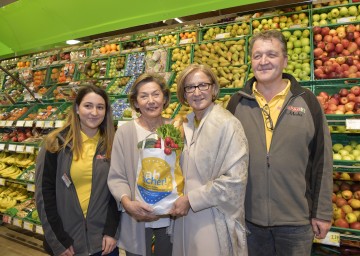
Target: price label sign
x: 352, y: 124
x: 20, y: 123
x: 39, y: 230
x: 28, y: 123
x: 17, y: 222
x: 6, y: 219
x: 332, y: 238
x: 2, y: 146
x: 2, y: 182
x: 30, y: 187
x: 222, y: 36
x: 346, y: 19
x: 28, y: 226
x: 40, y: 124
x: 9, y: 123
x: 12, y: 147
x: 186, y: 41
x: 20, y: 148
x: 59, y: 123
x: 2, y: 123
x: 30, y: 149
x: 49, y: 124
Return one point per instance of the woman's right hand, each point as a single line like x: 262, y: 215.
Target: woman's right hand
x: 138, y: 210
x: 68, y: 252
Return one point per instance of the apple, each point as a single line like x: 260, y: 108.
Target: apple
x: 338, y: 213
x: 355, y: 203
x: 350, y: 217
x: 346, y: 208
x: 356, y: 176
x: 353, y: 11
x: 355, y: 225
x: 339, y: 48
x: 343, y: 92
x: 340, y: 202
x: 346, y: 194
x: 344, y: 100
x: 343, y: 11
x: 355, y: 90
x: 341, y: 223
x: 344, y: 185
x: 325, y: 30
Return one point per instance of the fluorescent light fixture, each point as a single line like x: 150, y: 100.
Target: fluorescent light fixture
x: 178, y: 20
x: 72, y: 42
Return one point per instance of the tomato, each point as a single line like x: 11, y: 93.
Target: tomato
x: 167, y: 151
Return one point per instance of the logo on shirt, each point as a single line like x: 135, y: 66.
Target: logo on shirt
x: 100, y: 156
x: 296, y: 111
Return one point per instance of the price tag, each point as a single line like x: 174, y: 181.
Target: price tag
x: 223, y: 35
x: 352, y: 124
x: 40, y: 124
x: 2, y: 146
x: 2, y: 123
x: 186, y: 41
x: 120, y: 123
x: 332, y: 238
x: 12, y: 147
x: 9, y: 123
x: 17, y: 222
x: 30, y: 187
x: 28, y: 226
x: 30, y: 149
x: 49, y: 124
x: 346, y: 19
x: 59, y: 123
x: 296, y: 26
x: 2, y: 182
x: 6, y: 219
x: 20, y: 148
x: 20, y: 123
x: 28, y: 123
x: 39, y: 229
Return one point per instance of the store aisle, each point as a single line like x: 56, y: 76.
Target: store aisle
x: 18, y: 242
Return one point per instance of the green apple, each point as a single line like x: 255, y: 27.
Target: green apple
x: 306, y: 33
x: 286, y: 34
x: 355, y: 153
x: 343, y: 152
x: 315, y: 23
x: 335, y: 13
x: 264, y: 21
x: 346, y: 208
x: 337, y: 147
x: 316, y: 17
x: 323, y: 23
x: 353, y: 11
x: 297, y: 33
x: 348, y: 157
x: 294, y: 56
x: 297, y: 43
x: 350, y: 217
x: 305, y: 21
x: 302, y: 55
x: 341, y: 128
x: 297, y: 50
x: 290, y: 45
x: 290, y: 67
x: 355, y: 204
x: 306, y: 49
x: 323, y: 16
x: 348, y: 148
x: 305, y: 41
x: 292, y: 38
x: 343, y: 11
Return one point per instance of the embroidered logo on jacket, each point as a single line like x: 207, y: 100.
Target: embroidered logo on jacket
x: 296, y: 111
x: 100, y: 156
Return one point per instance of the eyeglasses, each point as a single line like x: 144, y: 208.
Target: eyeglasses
x: 201, y: 86
x: 268, y: 121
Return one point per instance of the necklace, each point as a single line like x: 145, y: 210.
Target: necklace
x: 152, y: 128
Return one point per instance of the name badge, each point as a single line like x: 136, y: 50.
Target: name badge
x: 66, y: 180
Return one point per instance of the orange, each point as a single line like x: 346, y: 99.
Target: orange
x: 107, y: 47
x: 102, y: 50
x: 113, y: 47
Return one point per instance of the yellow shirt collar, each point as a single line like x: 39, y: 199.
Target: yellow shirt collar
x: 282, y: 93
x: 84, y: 137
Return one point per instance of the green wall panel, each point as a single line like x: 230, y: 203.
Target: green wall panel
x: 31, y: 25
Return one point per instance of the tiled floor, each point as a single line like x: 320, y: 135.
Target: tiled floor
x: 18, y: 242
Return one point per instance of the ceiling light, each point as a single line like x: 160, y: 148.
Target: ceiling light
x: 72, y: 41
x: 178, y: 20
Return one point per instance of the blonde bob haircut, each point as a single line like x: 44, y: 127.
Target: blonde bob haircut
x: 72, y: 127
x: 193, y: 68
x: 144, y: 79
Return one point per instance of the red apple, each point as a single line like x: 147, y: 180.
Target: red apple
x: 318, y: 38
x: 340, y: 202
x: 345, y: 42
x: 336, y: 40
x: 316, y: 30
x: 339, y: 48
x: 321, y: 45
x: 325, y: 31
x: 318, y: 52
x: 357, y: 41
x: 345, y: 186
x: 328, y: 38
x: 341, y: 223
x: 355, y: 225
x: 350, y: 28
x: 355, y: 90
x: 352, y: 47
x: 333, y: 101
x: 351, y: 96
x: 318, y: 63
x: 343, y: 92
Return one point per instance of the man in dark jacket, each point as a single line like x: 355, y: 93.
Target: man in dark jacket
x: 288, y: 196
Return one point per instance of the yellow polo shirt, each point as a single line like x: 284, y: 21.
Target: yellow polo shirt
x: 275, y: 105
x: 81, y: 170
